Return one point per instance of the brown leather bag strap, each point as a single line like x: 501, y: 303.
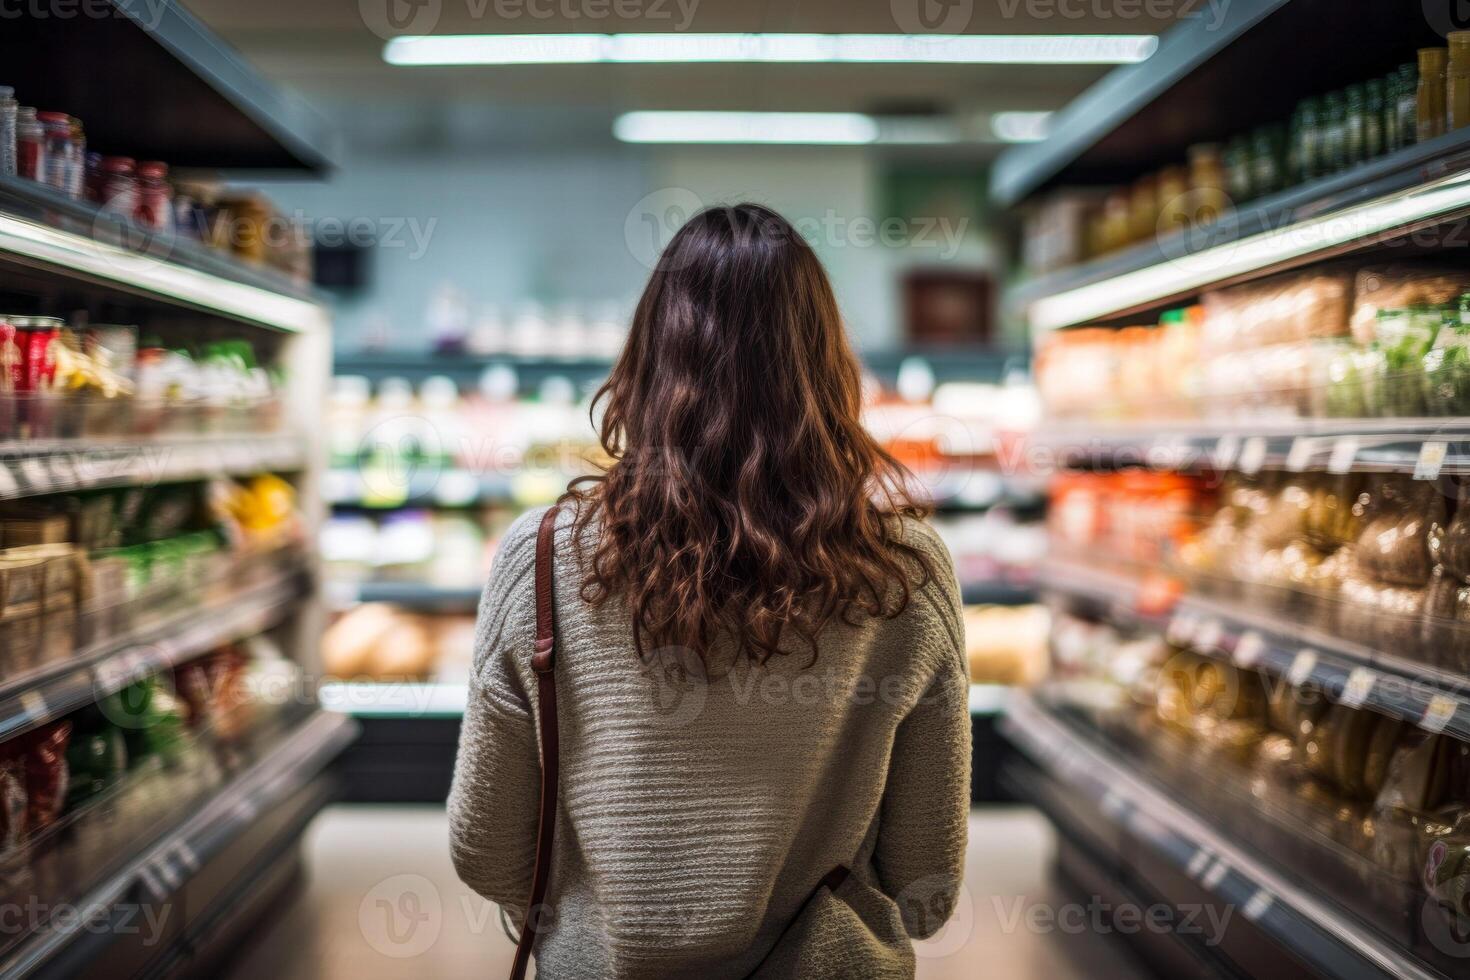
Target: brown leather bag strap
x: 543, y: 662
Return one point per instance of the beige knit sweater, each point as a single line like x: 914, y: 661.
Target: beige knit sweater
x: 696, y: 816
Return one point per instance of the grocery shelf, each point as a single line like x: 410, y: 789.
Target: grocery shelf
x: 1348, y: 672
x: 466, y: 599
x: 429, y: 484
x: 420, y: 699
x: 1309, y: 926
x: 151, y: 271
x: 32, y: 467
x: 1205, y: 82
x: 191, y: 99
x: 112, y: 663
x: 394, y: 699
x: 159, y: 871
x: 1427, y: 446
x: 997, y: 593
x: 466, y: 368
x: 965, y: 486
x: 956, y: 362
x: 1183, y: 267
x: 23, y: 198
x: 411, y: 595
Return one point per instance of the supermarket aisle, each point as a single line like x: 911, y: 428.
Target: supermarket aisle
x: 382, y: 903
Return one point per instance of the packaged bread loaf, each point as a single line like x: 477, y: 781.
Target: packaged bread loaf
x: 1400, y: 286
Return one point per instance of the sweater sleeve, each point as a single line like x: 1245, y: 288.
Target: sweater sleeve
x: 923, y: 825
x: 497, y: 776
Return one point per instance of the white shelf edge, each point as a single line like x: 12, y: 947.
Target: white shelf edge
x: 1192, y: 271
x: 1124, y: 782
x: 156, y: 276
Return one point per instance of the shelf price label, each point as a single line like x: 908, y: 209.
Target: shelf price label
x: 1248, y: 649
x: 1199, y: 862
x: 1252, y: 455
x: 1359, y: 687
x: 33, y: 468
x: 1207, y: 637
x: 1438, y: 715
x: 1181, y: 629
x: 1226, y: 450
x: 8, y: 485
x: 1216, y: 874
x: 1300, y: 454
x: 1431, y: 459
x: 1258, y: 905
x: 1302, y: 667
x: 1344, y: 454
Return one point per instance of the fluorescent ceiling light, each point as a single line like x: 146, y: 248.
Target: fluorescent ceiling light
x: 1020, y: 127
x: 1192, y: 270
x: 977, y: 49
x: 745, y: 127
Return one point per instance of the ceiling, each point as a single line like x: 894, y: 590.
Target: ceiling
x: 331, y: 51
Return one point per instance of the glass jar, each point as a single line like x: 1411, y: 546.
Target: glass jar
x: 1430, y: 116
x: 1457, y: 81
x: 56, y: 127
x: 119, y: 190
x: 30, y: 145
x: 155, y: 206
x: 8, y: 112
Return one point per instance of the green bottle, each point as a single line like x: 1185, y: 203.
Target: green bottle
x: 1238, y: 169
x: 1406, y: 105
x: 1334, y: 133
x: 1373, y: 135
x: 1266, y: 175
x: 1354, y: 123
x: 1308, y: 138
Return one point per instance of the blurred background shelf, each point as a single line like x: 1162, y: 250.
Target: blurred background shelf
x: 1282, y: 926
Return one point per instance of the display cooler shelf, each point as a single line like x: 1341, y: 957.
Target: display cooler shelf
x: 1424, y: 447
x: 1202, y: 86
x: 1348, y: 672
x: 446, y: 599
x: 34, y: 467
x: 192, y: 866
x: 111, y: 663
x: 1327, y: 941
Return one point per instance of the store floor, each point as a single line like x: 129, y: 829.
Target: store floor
x: 381, y: 902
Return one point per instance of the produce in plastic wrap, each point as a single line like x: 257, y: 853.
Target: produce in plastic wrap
x: 1394, y: 545
x: 13, y: 804
x: 1447, y: 365
x: 1402, y: 337
x: 46, y: 774
x: 1398, y: 287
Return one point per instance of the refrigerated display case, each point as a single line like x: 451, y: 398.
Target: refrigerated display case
x: 160, y: 540
x: 1258, y: 703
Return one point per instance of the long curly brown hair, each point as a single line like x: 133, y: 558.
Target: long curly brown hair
x: 746, y: 499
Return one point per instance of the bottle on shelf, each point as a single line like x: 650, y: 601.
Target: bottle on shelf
x: 1306, y: 138
x: 56, y: 130
x: 1457, y: 81
x: 1405, y: 106
x: 9, y: 110
x: 1430, y: 115
x: 1334, y: 133
x: 1355, y: 125
x: 1375, y: 139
